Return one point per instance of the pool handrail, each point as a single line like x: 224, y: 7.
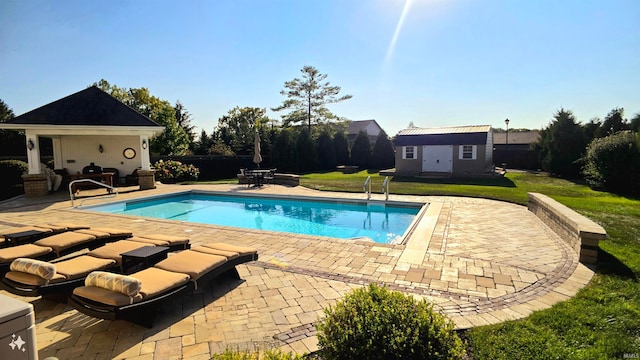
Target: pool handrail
x: 113, y: 191
x: 385, y: 188
x: 364, y: 187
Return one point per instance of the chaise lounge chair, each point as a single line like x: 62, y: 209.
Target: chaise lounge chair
x: 30, y: 277
x: 23, y: 234
x: 59, y: 244
x: 135, y: 297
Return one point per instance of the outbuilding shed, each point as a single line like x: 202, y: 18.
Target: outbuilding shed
x: 456, y: 151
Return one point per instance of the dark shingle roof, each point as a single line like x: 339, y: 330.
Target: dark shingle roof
x: 91, y: 106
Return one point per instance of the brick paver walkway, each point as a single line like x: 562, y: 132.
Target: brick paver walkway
x: 479, y: 261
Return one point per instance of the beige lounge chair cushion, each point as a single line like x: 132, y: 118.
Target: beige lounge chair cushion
x: 114, y: 232
x: 80, y: 266
x: 103, y: 232
x: 27, y: 251
x: 23, y: 228
x: 157, y: 281
x: 242, y: 250
x: 39, y: 268
x: 115, y: 249
x: 171, y: 239
x: 148, y: 242
x: 154, y: 282
x: 193, y: 263
x: 230, y: 255
x: 123, y: 284
x: 105, y: 296
x: 30, y: 279
x: 65, y: 240
x: 67, y: 226
x: 52, y: 227
x: 96, y: 233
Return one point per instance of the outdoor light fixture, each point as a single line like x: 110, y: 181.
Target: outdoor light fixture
x: 100, y: 148
x: 506, y: 121
x: 144, y: 143
x: 30, y: 144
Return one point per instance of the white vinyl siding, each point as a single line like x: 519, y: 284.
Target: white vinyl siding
x: 409, y: 152
x: 468, y: 152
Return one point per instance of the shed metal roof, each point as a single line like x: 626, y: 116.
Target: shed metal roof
x: 454, y: 135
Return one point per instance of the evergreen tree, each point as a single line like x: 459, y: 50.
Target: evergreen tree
x: 326, y: 152
x: 282, y: 150
x: 383, y: 155
x: 307, y: 99
x: 304, y: 154
x: 361, y: 150
x: 562, y: 144
x: 341, y: 146
x: 613, y: 123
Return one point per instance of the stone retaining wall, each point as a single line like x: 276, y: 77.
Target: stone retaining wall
x: 581, y: 233
x: 278, y: 178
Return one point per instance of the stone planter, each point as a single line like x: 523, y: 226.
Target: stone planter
x: 35, y: 185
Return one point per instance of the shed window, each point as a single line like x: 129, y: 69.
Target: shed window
x: 468, y: 152
x: 409, y: 152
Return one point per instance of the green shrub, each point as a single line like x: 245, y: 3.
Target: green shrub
x: 171, y: 171
x: 11, y: 180
x: 612, y: 163
x: 269, y: 354
x: 375, y: 323
x: 12, y: 171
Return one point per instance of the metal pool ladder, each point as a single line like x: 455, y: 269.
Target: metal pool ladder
x: 113, y: 192
x: 364, y: 187
x: 385, y: 188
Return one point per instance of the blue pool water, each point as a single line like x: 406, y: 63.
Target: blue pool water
x: 382, y: 224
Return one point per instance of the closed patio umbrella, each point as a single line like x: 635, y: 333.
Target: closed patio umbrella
x: 257, y: 158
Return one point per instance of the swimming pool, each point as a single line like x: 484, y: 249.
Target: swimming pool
x: 378, y: 221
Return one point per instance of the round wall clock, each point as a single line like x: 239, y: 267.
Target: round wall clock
x: 129, y: 153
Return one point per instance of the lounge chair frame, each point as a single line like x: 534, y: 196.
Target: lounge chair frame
x: 144, y: 311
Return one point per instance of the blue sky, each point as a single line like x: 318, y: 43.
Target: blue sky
x: 453, y: 62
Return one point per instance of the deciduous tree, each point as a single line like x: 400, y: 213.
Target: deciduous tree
x: 173, y: 140
x: 237, y: 128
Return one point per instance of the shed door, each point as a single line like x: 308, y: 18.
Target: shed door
x: 437, y: 158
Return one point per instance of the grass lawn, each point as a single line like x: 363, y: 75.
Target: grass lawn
x: 601, y: 322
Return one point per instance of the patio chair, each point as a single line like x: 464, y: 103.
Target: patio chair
x: 247, y: 176
x: 59, y: 244
x: 136, y: 297
x: 56, y: 280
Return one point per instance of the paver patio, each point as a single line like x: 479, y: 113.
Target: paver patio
x: 479, y: 261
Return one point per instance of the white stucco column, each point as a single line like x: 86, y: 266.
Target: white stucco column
x: 33, y: 152
x: 57, y: 153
